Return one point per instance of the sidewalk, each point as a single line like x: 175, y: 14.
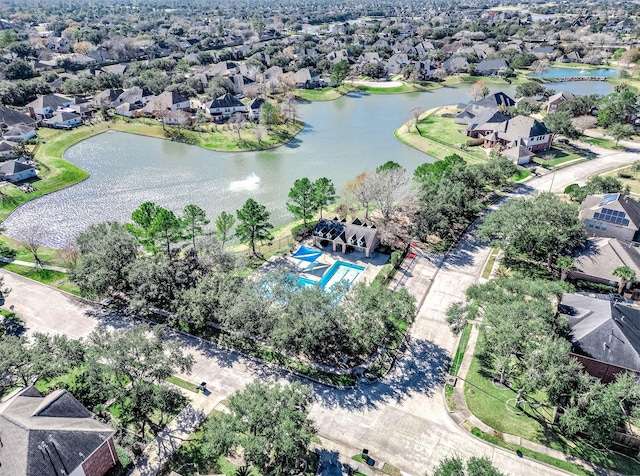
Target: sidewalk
x: 4, y: 259
x: 159, y: 451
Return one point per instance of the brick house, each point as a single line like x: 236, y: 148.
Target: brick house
x: 55, y: 434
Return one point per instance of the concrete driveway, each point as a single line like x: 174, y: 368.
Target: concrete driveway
x: 402, y: 420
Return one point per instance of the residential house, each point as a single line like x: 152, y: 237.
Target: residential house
x: 521, y: 131
x: 166, y: 101
x: 611, y: 215
x: 16, y: 171
x: 557, y: 99
x: 222, y: 108
x: 7, y: 149
x: 134, y: 96
x: 492, y: 67
x: 10, y: 117
x: 307, y: 79
x: 543, y: 51
x: 224, y: 68
x: 519, y: 153
x: 239, y: 82
x: 456, y: 65
x: 118, y: 69
x: 605, y: 335
x: 44, y: 106
x: 255, y: 108
x: 106, y: 98
x: 19, y: 132
x: 396, y: 63
x: 572, y: 57
x: 355, y: 235
x: 600, y: 257
x: 52, y: 435
x: 64, y: 120
x: 485, y: 107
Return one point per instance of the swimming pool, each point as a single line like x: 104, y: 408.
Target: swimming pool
x: 340, y: 272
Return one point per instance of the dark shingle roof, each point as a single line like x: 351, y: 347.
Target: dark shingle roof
x: 614, y: 201
x: 605, y: 330
x: 226, y: 100
x: 492, y: 65
x: 40, y: 434
x: 11, y: 117
x: 12, y: 167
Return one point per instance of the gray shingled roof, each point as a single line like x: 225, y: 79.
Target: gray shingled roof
x: 11, y: 117
x: 492, y: 65
x: 53, y: 101
x: 12, y: 167
x: 523, y: 126
x: 605, y: 330
x: 226, y: 100
x: 44, y: 435
x: 614, y: 201
x: 601, y: 256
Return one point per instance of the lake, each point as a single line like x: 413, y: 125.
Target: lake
x: 559, y: 72
x: 340, y: 140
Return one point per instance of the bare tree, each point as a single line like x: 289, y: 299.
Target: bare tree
x: 391, y: 192
x: 69, y: 255
x: 540, y: 66
x: 361, y: 190
x: 236, y: 121
x: 259, y: 131
x: 34, y: 236
x: 582, y: 123
x: 416, y: 112
x: 440, y: 74
x: 289, y: 107
x: 476, y: 90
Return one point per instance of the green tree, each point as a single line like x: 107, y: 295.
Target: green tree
x: 253, y: 224
x: 373, y: 70
x: 542, y: 227
x: 389, y: 165
x: 475, y: 466
x: 339, y: 72
x: 155, y: 226
x: 195, y: 219
x: 106, y: 252
x: 19, y: 69
x: 270, y: 115
x: 302, y: 200
x: 565, y: 264
x: 529, y: 89
x: 224, y: 224
x: 269, y: 422
x: 626, y: 275
x: 167, y: 229
x: 621, y: 131
x: 324, y: 193
x: 560, y: 124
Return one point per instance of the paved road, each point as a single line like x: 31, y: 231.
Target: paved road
x: 401, y: 420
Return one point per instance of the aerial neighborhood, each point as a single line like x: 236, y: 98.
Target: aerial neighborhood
x: 282, y: 238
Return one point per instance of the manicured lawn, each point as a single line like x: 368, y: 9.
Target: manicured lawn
x: 489, y: 266
x: 404, y: 88
x: 460, y: 351
x: 324, y: 94
x: 554, y: 157
x: 440, y: 137
x: 493, y: 405
x: 45, y: 276
x: 183, y: 383
x: 604, y: 143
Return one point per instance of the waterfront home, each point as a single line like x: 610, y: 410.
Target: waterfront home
x: 166, y: 101
x: 456, y: 65
x: 520, y: 131
x: 10, y: 117
x: 44, y: 106
x: 487, y: 106
x: 307, y: 79
x: 355, y: 235
x: 223, y: 107
x: 255, y: 108
x: 611, y: 215
x: 64, y: 120
x: 135, y: 96
x: 7, y: 149
x: 106, y: 98
x: 19, y: 132
x: 492, y: 67
x: 55, y: 434
x: 555, y: 101
x: 16, y: 171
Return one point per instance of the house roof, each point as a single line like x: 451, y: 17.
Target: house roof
x: 18, y: 130
x: 601, y: 256
x: 226, y: 100
x: 119, y: 69
x: 107, y: 96
x: 614, y: 208
x: 255, y: 104
x: 305, y: 74
x: 523, y: 127
x: 11, y: 117
x: 164, y: 101
x: 562, y: 95
x: 12, y: 167
x: 131, y: 95
x: 519, y: 152
x: 29, y: 421
x: 6, y: 146
x: 52, y: 101
x: 604, y: 330
x: 495, y: 100
x: 354, y: 233
x: 488, y: 119
x: 492, y: 65
x: 62, y: 116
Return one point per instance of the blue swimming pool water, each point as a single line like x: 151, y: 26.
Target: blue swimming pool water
x: 340, y: 272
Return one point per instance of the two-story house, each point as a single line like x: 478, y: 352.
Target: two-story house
x: 222, y: 108
x: 611, y: 215
x: 45, y: 106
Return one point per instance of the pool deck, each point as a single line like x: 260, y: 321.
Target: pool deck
x: 314, y: 271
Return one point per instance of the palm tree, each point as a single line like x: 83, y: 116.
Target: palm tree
x: 626, y: 275
x: 565, y: 264
x: 244, y: 470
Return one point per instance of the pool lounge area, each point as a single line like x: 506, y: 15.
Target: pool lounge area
x: 321, y: 266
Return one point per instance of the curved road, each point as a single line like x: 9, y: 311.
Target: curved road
x: 402, y: 420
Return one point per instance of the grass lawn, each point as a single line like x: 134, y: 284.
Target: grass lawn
x: 628, y: 178
x: 494, y: 406
x: 448, y: 395
x: 404, y: 88
x: 555, y: 156
x: 460, y: 351
x: 14, y: 249
x: 489, y: 266
x: 183, y: 383
x: 45, y: 276
x: 323, y: 94
x: 604, y: 143
x: 440, y: 137
x: 49, y: 385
